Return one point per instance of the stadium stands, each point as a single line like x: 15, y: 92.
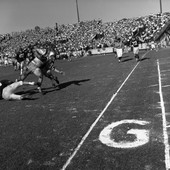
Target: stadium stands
x: 87, y: 34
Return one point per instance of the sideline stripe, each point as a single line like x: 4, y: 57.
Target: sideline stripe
x: 98, y: 118
x: 165, y: 134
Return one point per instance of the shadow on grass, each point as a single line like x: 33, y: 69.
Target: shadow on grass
x: 146, y: 58
x: 127, y: 60
x: 52, y: 89
x: 64, y: 85
x: 75, y: 82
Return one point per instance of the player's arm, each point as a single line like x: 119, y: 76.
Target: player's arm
x: 53, y: 68
x: 26, y: 83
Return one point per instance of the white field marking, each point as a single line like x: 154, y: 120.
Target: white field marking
x: 98, y: 118
x: 165, y: 133
x: 166, y: 86
x: 153, y: 85
x: 165, y: 71
x: 142, y: 135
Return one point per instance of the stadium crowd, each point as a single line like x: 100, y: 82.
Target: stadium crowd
x: 84, y: 35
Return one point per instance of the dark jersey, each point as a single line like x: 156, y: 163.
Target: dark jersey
x: 135, y: 43
x: 49, y: 65
x: 3, y: 84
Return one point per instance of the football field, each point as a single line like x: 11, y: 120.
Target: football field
x: 104, y: 115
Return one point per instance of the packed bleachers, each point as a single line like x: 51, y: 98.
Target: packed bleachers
x: 86, y: 34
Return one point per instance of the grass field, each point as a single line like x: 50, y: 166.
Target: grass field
x: 104, y: 115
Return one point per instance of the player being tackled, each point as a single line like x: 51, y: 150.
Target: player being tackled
x: 8, y: 88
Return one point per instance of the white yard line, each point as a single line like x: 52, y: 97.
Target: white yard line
x: 165, y: 133
x: 98, y: 118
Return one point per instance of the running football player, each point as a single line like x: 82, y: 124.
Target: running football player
x: 135, y: 44
x: 119, y: 48
x: 35, y: 65
x: 48, y: 67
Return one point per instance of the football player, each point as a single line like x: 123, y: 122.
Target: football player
x: 135, y: 44
x: 119, y: 48
x: 48, y: 67
x: 35, y: 65
x: 8, y: 87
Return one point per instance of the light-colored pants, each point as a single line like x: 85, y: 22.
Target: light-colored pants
x: 135, y: 50
x: 34, y: 66
x: 119, y: 52
x: 8, y: 92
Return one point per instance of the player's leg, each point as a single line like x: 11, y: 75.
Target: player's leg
x: 30, y: 68
x: 24, y: 75
x: 136, y: 53
x: 39, y: 74
x: 119, y: 54
x: 53, y: 78
x: 137, y: 57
